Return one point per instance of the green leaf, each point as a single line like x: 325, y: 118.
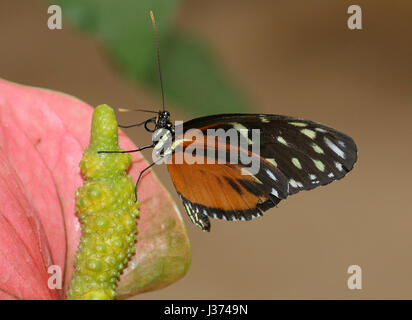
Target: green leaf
x: 192, y: 78
x: 123, y: 26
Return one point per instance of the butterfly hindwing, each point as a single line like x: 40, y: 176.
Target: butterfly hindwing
x: 224, y: 191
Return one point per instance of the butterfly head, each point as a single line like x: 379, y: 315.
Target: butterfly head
x: 163, y: 121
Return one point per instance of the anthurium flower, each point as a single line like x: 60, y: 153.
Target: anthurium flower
x: 43, y: 135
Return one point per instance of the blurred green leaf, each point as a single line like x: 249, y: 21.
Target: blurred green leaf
x: 124, y: 27
x: 192, y: 79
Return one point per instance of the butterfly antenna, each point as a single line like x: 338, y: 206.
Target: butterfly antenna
x: 158, y: 58
x: 131, y: 110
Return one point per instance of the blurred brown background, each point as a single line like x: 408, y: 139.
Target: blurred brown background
x: 290, y: 57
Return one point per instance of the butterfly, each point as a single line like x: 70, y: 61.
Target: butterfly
x: 294, y: 154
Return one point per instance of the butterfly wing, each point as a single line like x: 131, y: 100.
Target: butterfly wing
x: 223, y: 191
x: 310, y: 154
x: 300, y: 154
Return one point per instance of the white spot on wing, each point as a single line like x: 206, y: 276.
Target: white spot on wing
x: 309, y: 133
x: 248, y: 173
x: 312, y: 177
x: 188, y: 209
x: 272, y: 161
x: 334, y: 147
x: 293, y: 183
x: 238, y: 126
x: 296, y: 163
x: 331, y: 175
x: 243, y: 131
x: 271, y: 175
x: 281, y: 140
x: 298, y: 124
x: 264, y: 119
x: 317, y: 148
x: 338, y: 166
x: 274, y: 192
x: 319, y: 164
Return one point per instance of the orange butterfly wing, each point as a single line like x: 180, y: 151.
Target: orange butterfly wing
x: 221, y: 191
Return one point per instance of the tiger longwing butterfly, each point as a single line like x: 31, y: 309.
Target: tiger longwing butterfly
x: 294, y: 155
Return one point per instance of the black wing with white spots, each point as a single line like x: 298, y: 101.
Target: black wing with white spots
x: 307, y: 153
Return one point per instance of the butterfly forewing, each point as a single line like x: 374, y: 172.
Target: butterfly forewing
x: 309, y: 154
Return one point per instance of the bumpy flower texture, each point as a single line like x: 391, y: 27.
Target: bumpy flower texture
x: 107, y: 211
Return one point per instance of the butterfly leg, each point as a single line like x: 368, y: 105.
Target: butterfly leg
x: 141, y: 172
x: 140, y: 176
